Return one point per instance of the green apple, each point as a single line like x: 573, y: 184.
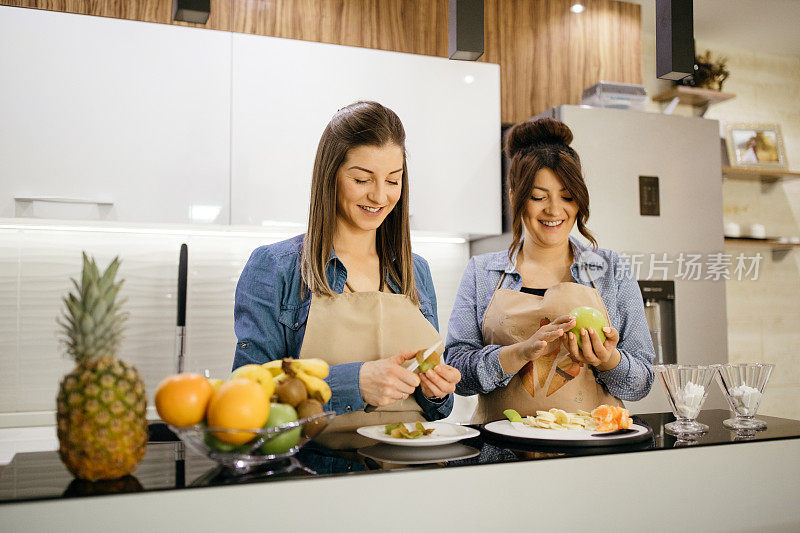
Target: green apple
x: 221, y: 446
x: 588, y: 317
x: 281, y: 413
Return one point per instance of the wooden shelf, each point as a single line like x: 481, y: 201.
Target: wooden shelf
x: 779, y: 249
x: 762, y: 174
x: 773, y: 242
x: 693, y: 96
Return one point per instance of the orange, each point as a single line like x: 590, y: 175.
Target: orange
x: 611, y: 418
x: 216, y: 383
x: 181, y: 399
x: 238, y: 404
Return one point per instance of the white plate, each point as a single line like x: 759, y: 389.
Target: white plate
x: 566, y: 436
x: 444, y: 433
x: 386, y: 453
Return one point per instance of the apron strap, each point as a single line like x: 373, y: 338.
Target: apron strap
x: 591, y: 279
x: 502, y: 277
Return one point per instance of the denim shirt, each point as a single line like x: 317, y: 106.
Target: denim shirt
x: 480, y: 365
x: 270, y: 319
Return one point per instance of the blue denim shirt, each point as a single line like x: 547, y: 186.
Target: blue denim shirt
x: 480, y: 365
x: 270, y: 318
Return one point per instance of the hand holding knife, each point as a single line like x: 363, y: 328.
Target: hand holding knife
x: 423, y: 360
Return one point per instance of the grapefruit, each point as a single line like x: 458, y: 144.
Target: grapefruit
x: 181, y: 399
x: 238, y: 404
x: 256, y: 373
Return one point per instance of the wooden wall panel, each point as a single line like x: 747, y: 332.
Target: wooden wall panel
x: 547, y: 54
x: 418, y: 27
x: 159, y: 11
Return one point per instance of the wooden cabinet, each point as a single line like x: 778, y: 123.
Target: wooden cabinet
x: 114, y: 120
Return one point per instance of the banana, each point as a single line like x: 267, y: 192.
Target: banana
x: 274, y: 367
x: 313, y: 367
x: 316, y: 387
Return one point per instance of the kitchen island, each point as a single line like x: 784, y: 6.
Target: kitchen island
x: 720, y: 482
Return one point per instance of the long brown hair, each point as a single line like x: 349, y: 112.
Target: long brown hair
x: 359, y: 124
x: 537, y: 144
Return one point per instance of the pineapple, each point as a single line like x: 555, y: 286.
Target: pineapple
x: 102, y: 429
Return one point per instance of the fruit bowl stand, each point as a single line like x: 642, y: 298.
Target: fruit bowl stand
x: 244, y: 458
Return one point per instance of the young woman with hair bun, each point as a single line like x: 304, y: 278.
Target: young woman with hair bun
x: 349, y: 290
x: 509, y: 332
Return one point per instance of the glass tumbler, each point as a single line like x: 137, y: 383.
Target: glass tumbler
x: 743, y: 386
x: 687, y: 390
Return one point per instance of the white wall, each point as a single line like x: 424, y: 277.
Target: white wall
x: 37, y: 262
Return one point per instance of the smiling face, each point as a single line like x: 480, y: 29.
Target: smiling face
x: 369, y: 183
x: 550, y: 212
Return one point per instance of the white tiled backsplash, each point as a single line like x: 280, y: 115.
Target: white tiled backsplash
x: 36, y: 265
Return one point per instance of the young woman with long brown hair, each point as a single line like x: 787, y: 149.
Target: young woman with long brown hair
x: 509, y: 332
x: 350, y: 291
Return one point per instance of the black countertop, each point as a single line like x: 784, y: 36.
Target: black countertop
x: 41, y: 476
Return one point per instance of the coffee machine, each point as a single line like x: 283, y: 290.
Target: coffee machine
x: 659, y: 309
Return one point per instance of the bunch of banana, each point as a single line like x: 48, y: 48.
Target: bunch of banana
x: 311, y: 372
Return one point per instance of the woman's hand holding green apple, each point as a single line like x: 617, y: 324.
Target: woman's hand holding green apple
x: 593, y: 350
x: 592, y: 340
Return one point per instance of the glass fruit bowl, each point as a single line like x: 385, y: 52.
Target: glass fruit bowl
x: 687, y: 389
x: 743, y: 387
x: 261, y: 446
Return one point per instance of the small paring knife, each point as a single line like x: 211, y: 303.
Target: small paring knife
x: 421, y: 356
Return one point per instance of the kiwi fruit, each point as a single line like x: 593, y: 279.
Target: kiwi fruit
x: 307, y: 408
x: 291, y: 391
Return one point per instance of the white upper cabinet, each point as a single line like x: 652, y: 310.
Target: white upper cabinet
x: 285, y: 91
x: 106, y: 119
x: 113, y: 120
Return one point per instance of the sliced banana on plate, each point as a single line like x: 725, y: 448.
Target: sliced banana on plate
x: 561, y: 420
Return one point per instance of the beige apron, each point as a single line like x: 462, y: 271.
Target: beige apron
x: 553, y: 380
x: 365, y: 326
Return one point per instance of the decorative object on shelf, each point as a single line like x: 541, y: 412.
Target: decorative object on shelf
x: 756, y: 146
x: 758, y: 231
x: 732, y: 229
x: 708, y: 73
x: 102, y: 430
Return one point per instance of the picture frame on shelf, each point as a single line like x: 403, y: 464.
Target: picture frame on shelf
x: 755, y: 145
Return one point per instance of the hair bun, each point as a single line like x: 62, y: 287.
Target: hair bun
x: 525, y: 135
